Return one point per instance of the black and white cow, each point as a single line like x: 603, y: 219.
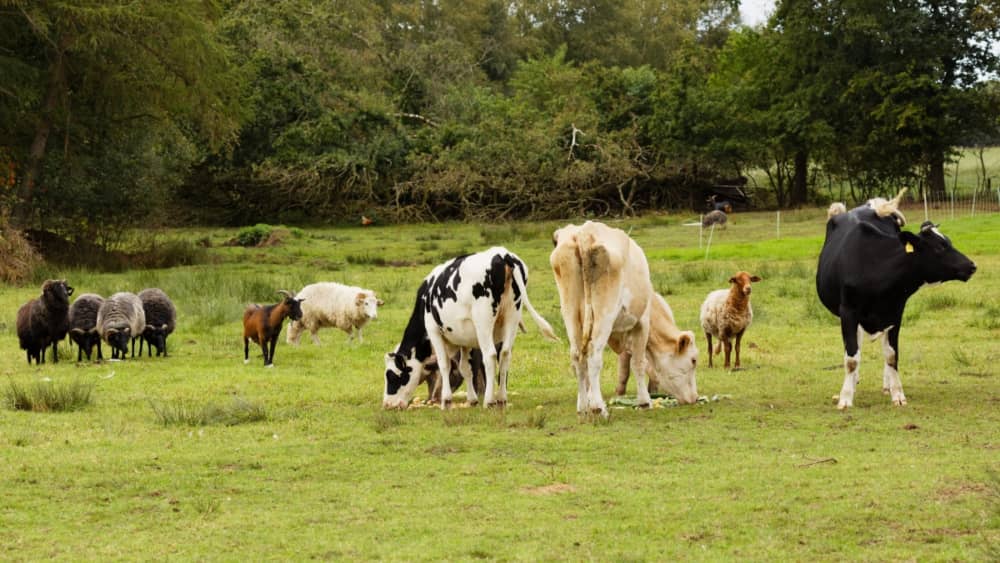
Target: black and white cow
x: 469, y: 302
x: 868, y: 268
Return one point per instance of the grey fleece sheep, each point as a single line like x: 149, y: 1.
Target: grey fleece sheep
x: 83, y: 325
x: 161, y: 319
x: 44, y: 320
x: 121, y: 319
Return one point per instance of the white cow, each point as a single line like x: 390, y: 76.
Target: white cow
x: 469, y: 302
x: 606, y: 297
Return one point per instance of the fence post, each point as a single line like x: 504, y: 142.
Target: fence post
x: 778, y: 224
x: 974, y: 192
x: 701, y: 229
x: 709, y: 245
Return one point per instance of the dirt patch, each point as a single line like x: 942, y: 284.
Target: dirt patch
x: 546, y: 490
x: 961, y: 489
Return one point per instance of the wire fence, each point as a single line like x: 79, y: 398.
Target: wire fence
x: 953, y: 206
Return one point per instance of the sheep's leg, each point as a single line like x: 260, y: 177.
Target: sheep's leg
x: 55, y: 352
x: 361, y: 339
x: 728, y: 345
x: 708, y: 338
x: 314, y: 334
x: 739, y: 337
x: 164, y: 346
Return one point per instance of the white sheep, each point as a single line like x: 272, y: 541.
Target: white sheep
x: 726, y: 313
x: 329, y: 304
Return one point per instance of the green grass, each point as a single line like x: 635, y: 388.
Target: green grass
x: 198, y: 456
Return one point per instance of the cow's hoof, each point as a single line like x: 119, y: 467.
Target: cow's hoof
x: 245, y: 362
x: 446, y: 405
x: 899, y: 402
x: 843, y: 406
x: 643, y: 405
x: 473, y: 403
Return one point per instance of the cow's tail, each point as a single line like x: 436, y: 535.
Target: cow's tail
x: 594, y: 262
x: 543, y: 325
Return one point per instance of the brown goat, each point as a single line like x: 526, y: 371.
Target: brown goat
x: 262, y: 324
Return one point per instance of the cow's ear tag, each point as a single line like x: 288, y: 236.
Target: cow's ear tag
x: 909, y: 248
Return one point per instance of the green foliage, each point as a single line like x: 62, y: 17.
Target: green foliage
x: 255, y: 235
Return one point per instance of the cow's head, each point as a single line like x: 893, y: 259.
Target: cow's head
x: 937, y: 260
x: 674, y: 368
x: 741, y: 282
x: 402, y: 375
x: 368, y: 304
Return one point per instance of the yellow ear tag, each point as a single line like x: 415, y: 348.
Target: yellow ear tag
x: 909, y: 248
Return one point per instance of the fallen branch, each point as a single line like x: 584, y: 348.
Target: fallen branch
x: 818, y: 461
x: 416, y: 116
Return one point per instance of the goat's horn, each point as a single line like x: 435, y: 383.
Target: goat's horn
x: 285, y: 293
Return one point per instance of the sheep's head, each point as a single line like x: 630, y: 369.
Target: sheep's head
x: 156, y: 336
x: 368, y: 304
x: 56, y: 291
x: 119, y: 338
x: 741, y: 282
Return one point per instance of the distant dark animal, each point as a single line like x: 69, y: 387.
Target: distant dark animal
x: 714, y: 218
x: 161, y: 320
x: 868, y: 268
x: 44, y: 320
x: 120, y: 321
x: 715, y: 204
x: 262, y: 324
x: 83, y: 325
x: 726, y: 314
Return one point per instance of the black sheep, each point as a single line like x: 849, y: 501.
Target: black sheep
x: 44, y: 320
x: 161, y: 319
x: 83, y: 325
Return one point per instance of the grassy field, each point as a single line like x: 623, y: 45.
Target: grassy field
x: 198, y: 456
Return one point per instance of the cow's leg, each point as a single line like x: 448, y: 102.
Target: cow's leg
x: 246, y: 350
x: 508, y: 336
x: 852, y: 359
x: 890, y: 374
x: 465, y: 368
x: 444, y: 353
x: 637, y: 342
x: 708, y: 339
x: 624, y: 360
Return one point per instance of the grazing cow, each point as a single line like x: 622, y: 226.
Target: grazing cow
x: 606, y: 296
x: 472, y: 301
x: 868, y: 268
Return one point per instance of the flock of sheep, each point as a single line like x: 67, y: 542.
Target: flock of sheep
x: 119, y: 320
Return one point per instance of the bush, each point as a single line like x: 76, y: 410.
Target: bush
x: 18, y: 259
x: 255, y: 235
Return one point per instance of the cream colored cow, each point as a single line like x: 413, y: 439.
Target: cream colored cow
x: 606, y: 295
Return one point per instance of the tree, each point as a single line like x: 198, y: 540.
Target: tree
x: 106, y: 77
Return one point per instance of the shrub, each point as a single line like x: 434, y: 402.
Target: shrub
x: 255, y: 235
x: 18, y: 259
x: 49, y: 396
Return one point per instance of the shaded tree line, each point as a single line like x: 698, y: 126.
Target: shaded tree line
x: 119, y: 113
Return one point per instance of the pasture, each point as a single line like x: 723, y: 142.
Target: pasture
x: 198, y: 456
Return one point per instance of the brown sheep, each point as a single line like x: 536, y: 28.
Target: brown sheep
x: 44, y: 320
x: 726, y: 313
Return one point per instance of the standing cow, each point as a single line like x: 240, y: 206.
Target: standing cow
x: 606, y: 298
x: 468, y: 302
x: 868, y: 268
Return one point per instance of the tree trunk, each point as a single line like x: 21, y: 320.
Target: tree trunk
x: 800, y: 183
x: 935, y: 175
x: 56, y: 92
